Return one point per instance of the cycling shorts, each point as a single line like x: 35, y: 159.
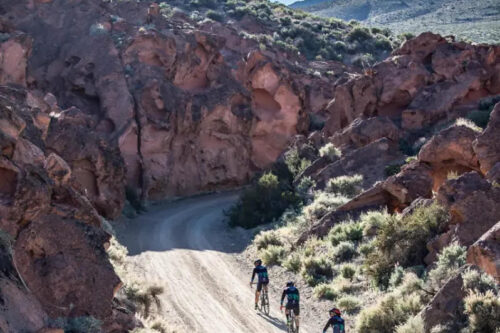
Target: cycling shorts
x: 262, y: 283
x: 294, y: 307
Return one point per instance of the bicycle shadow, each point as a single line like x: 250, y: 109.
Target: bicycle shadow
x: 273, y: 321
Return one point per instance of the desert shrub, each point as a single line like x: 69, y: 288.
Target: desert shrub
x: 77, y: 324
x: 452, y: 175
x: 372, y: 221
x: 479, y: 282
x: 204, y: 3
x: 213, y: 15
x: 468, y: 123
x: 160, y: 326
x: 344, y: 251
x: 316, y: 270
x: 262, y: 202
x: 311, y: 246
x: 413, y: 325
x: 450, y: 259
x: 347, y: 231
x: 392, y: 311
x: 330, y: 151
x: 349, y: 304
x: 359, y: 34
x: 366, y: 248
x: 396, y: 277
x: 483, y: 311
x: 295, y: 163
x: 144, y: 298
x: 305, y: 187
x: 348, y: 186
x: 322, y: 204
x: 266, y: 238
x: 293, y: 262
x: 348, y: 271
x: 346, y: 286
x: 273, y: 255
x: 403, y: 240
x: 325, y: 291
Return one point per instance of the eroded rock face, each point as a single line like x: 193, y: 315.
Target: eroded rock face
x: 485, y: 252
x: 423, y: 82
x: 486, y: 146
x: 450, y: 151
x: 58, y: 239
x: 473, y: 206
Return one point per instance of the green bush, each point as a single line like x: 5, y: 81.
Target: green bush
x: 348, y: 271
x: 359, y: 34
x: 483, y: 311
x: 344, y: 251
x: 330, y: 151
x: 273, y: 255
x: 396, y: 277
x: 403, y: 241
x: 325, y: 291
x: 450, y: 259
x: 295, y: 163
x: 479, y: 282
x: 392, y: 169
x: 322, y: 204
x: 349, y: 304
x: 316, y: 270
x: 372, y: 221
x: 392, y: 311
x: 213, y: 15
x: 468, y: 123
x: 266, y: 238
x: 347, y: 231
x: 262, y: 203
x: 305, y: 187
x: 413, y: 325
x: 348, y: 186
x: 366, y: 248
x: 293, y: 262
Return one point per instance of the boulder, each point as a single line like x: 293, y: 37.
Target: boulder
x: 450, y: 150
x: 485, y: 252
x: 361, y: 132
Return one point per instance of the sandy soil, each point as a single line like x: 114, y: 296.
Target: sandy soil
x: 186, y: 247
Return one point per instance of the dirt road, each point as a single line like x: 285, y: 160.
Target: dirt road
x: 186, y: 247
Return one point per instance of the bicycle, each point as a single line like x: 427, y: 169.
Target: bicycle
x: 291, y: 328
x: 264, y: 301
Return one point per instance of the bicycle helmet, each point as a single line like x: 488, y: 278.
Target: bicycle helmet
x: 335, y: 311
x: 290, y: 284
x: 257, y: 262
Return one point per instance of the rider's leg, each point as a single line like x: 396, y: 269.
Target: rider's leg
x: 297, y: 321
x: 257, y: 295
x: 287, y: 313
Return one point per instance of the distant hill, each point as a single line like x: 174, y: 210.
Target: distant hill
x: 478, y: 21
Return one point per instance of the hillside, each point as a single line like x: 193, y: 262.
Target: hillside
x: 477, y: 21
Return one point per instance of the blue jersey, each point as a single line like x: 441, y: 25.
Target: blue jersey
x: 292, y: 296
x: 337, y: 323
x: 261, y: 272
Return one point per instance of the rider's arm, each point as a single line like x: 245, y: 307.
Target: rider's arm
x: 328, y: 323
x: 253, y: 275
x: 283, y: 296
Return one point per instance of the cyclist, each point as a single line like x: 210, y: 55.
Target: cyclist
x: 262, y: 279
x: 335, y: 321
x: 293, y: 299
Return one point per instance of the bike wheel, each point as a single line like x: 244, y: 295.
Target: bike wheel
x: 265, y: 303
x: 292, y: 322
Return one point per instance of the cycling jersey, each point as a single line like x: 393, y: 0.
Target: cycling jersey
x: 337, y: 323
x: 261, y: 272
x: 292, y: 296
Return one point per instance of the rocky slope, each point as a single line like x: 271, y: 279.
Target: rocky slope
x: 476, y: 21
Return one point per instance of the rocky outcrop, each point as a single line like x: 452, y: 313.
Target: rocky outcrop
x: 486, y: 147
x: 58, y: 245
x: 473, y: 206
x: 485, y: 252
x: 423, y: 82
x: 450, y: 151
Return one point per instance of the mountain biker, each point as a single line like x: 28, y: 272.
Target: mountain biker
x: 293, y: 299
x: 335, y: 321
x: 262, y: 279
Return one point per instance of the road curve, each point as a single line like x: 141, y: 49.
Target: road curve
x: 185, y: 247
